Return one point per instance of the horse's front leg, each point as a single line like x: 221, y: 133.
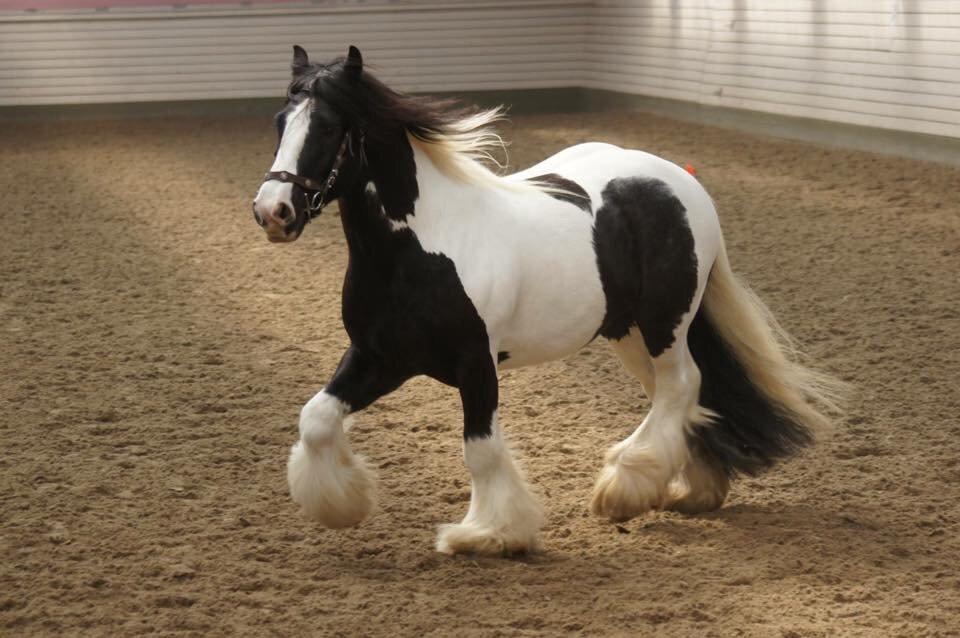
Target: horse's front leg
x: 504, y: 517
x: 332, y: 484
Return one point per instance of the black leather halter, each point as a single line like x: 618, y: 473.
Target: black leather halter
x: 315, y: 202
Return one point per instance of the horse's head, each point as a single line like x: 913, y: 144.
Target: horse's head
x: 320, y: 139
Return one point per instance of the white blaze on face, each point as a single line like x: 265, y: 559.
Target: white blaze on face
x: 291, y: 145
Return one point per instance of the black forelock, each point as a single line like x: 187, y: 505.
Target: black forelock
x: 306, y: 77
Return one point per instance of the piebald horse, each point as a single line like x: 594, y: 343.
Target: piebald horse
x: 457, y: 272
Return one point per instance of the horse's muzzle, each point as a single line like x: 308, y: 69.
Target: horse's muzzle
x: 280, y: 221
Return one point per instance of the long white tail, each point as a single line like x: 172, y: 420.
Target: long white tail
x: 767, y: 405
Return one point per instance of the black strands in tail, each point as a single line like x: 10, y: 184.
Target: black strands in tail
x: 750, y: 433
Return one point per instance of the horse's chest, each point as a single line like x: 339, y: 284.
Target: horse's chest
x: 414, y: 313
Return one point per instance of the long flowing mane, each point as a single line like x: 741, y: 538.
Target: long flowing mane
x: 461, y: 141
x: 467, y: 149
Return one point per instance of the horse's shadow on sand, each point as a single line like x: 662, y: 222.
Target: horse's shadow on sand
x: 778, y: 541
x: 781, y: 541
x: 742, y: 550
x: 786, y: 540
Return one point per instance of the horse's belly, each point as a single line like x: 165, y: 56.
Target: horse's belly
x: 555, y: 315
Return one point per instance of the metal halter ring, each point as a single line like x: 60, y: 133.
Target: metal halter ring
x: 316, y: 200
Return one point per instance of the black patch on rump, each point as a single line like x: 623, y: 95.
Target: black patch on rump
x: 751, y: 433
x: 568, y: 190
x: 645, y: 254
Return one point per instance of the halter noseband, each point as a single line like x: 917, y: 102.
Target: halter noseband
x: 315, y: 202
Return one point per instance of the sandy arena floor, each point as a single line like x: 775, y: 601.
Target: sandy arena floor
x: 156, y: 351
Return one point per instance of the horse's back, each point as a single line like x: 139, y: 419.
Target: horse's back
x: 596, y: 166
x: 593, y: 165
x: 562, y: 159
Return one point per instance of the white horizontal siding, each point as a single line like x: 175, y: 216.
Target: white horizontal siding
x: 885, y: 63
x: 214, y: 53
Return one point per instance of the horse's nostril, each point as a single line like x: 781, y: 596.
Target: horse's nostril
x: 284, y: 213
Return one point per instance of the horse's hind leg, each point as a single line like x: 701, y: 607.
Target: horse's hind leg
x: 635, y: 357
x: 702, y: 484
x: 655, y: 467
x: 638, y: 470
x: 633, y: 354
x: 654, y: 273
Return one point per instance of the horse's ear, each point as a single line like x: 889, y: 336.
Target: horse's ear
x: 354, y: 62
x: 300, y: 60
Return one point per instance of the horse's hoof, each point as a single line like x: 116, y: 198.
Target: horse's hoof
x: 686, y: 501
x: 701, y: 487
x: 332, y: 485
x: 467, y: 538
x: 622, y: 493
x: 693, y: 505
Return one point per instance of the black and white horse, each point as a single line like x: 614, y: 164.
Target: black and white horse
x: 456, y: 272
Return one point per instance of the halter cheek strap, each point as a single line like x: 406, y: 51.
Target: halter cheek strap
x: 315, y: 202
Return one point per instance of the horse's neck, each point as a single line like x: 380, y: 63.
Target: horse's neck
x: 444, y: 199
x: 366, y: 228
x: 440, y: 200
